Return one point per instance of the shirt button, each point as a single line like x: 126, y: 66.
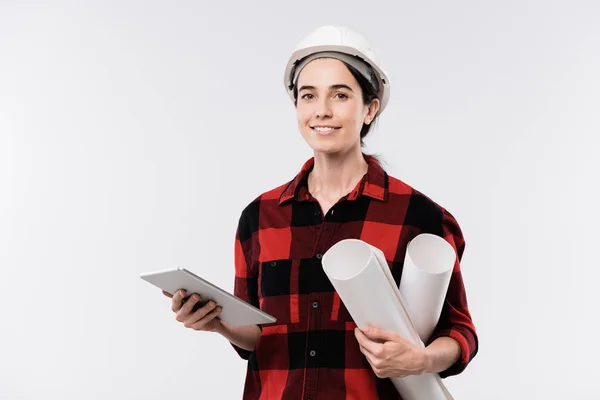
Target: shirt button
x: 312, y: 353
x: 315, y: 304
x: 273, y: 264
x: 319, y: 255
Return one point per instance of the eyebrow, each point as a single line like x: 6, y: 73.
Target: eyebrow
x: 336, y: 86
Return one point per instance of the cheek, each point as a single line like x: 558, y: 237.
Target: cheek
x: 351, y: 117
x: 304, y: 120
x: 302, y: 115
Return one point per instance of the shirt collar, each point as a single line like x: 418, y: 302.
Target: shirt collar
x: 374, y: 183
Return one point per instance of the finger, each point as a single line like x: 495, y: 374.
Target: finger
x: 200, y: 313
x: 373, y: 361
x: 212, y: 325
x: 215, y: 322
x: 207, y: 319
x: 368, y: 355
x: 373, y: 347
x: 167, y: 294
x: 177, y: 300
x: 374, y: 333
x: 187, y: 308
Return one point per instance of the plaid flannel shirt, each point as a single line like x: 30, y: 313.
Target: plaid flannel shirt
x: 311, y: 351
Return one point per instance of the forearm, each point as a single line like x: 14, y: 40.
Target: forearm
x: 441, y: 354
x: 245, y: 336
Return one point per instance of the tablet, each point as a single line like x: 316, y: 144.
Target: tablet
x: 235, y: 310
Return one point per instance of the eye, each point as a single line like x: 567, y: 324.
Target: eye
x: 341, y: 95
x: 307, y: 98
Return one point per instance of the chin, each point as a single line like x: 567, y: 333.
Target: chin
x: 326, y: 150
x: 321, y: 147
x: 324, y: 144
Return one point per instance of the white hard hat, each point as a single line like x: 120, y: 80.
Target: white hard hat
x: 340, y: 39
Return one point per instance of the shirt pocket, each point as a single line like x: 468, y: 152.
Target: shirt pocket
x: 275, y: 291
x: 339, y: 312
x: 292, y: 289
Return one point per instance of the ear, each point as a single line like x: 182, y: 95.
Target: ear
x: 372, y: 111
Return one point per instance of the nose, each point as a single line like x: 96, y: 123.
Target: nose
x: 323, y: 109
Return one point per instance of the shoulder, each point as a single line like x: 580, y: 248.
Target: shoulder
x: 417, y: 200
x: 261, y: 202
x: 267, y: 198
x: 421, y: 210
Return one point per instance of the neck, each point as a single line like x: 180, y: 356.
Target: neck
x: 335, y: 175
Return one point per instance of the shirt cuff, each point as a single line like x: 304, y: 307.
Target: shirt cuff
x: 466, y: 351
x: 243, y: 353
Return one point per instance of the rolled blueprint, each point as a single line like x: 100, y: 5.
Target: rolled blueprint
x: 428, y: 267
x: 360, y: 274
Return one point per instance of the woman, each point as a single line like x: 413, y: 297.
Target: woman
x: 315, y: 350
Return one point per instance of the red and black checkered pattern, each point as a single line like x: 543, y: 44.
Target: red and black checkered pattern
x: 311, y: 351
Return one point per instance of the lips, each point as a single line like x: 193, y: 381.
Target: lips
x: 324, y: 129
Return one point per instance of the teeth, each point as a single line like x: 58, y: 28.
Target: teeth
x: 323, y: 129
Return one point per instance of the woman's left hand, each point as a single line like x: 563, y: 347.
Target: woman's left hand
x: 389, y: 354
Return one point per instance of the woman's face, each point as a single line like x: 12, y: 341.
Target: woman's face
x: 330, y: 107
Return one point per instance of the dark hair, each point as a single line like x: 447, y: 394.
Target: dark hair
x: 368, y: 94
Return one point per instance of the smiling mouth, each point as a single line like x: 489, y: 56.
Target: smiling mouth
x: 323, y: 129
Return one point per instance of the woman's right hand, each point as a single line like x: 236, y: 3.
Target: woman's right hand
x: 202, y: 319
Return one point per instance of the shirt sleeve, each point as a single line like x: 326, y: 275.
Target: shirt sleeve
x: 455, y: 319
x: 246, y: 271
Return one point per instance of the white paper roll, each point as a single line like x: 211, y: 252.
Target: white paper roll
x: 428, y: 267
x: 359, y: 273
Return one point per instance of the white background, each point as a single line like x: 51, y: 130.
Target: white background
x: 133, y: 133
